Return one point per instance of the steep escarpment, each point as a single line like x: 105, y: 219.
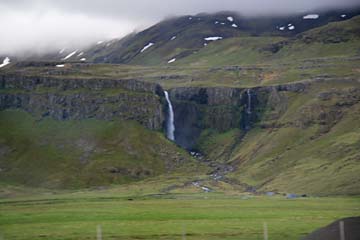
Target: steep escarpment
x: 77, y: 99
x: 220, y: 109
x: 74, y: 133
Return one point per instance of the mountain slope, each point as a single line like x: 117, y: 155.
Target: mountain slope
x: 270, y: 109
x: 77, y: 154
x: 180, y: 37
x: 304, y: 142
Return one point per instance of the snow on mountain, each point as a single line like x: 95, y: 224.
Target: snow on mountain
x: 311, y: 16
x: 343, y: 15
x: 213, y: 38
x: 147, y: 46
x: 172, y: 60
x: 173, y: 38
x: 70, y: 55
x: 292, y: 27
x: 234, y: 25
x: 60, y: 65
x: 83, y: 59
x: 5, y: 62
x: 230, y: 19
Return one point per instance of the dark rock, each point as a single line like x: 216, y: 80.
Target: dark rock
x: 332, y: 231
x: 222, y: 109
x: 73, y: 99
x: 32, y: 83
x: 291, y: 196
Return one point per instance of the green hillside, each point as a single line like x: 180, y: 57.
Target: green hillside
x: 338, y: 39
x: 78, y: 154
x: 247, y: 61
x: 303, y: 142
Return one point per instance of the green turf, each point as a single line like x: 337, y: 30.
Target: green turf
x: 172, y: 216
x: 72, y: 154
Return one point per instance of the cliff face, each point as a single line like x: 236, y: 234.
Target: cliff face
x: 33, y: 83
x: 196, y: 109
x: 221, y: 109
x: 76, y: 99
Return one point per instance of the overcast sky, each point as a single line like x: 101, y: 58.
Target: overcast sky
x: 39, y: 25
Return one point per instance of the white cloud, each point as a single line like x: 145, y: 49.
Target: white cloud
x: 39, y: 31
x: 40, y: 25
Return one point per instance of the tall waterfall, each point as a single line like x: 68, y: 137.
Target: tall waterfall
x: 170, y: 126
x: 249, y: 101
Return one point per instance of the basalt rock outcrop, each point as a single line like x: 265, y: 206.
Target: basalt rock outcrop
x: 76, y: 99
x: 195, y: 109
x: 221, y: 108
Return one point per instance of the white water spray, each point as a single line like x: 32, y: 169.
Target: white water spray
x: 249, y: 101
x: 170, y: 126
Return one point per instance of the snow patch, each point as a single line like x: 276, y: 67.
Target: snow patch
x: 281, y: 28
x: 213, y: 38
x: 80, y: 54
x: 147, y: 46
x: 222, y: 23
x: 343, y: 16
x: 6, y: 61
x: 60, y: 65
x: 216, y: 22
x: 70, y: 55
x: 289, y: 24
x: 234, y: 25
x: 99, y: 42
x: 205, y: 189
x: 311, y: 16
x: 173, y: 38
x: 83, y: 59
x: 291, y: 27
x: 230, y: 19
x: 190, y: 18
x: 205, y: 44
x: 172, y: 60
x: 62, y: 50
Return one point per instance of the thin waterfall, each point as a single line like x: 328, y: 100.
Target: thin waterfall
x: 170, y: 126
x: 249, y: 101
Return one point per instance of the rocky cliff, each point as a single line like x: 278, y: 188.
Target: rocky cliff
x: 221, y: 109
x: 77, y: 99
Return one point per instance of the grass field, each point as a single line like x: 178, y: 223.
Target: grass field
x: 125, y: 213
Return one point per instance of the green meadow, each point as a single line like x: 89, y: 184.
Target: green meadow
x: 132, y: 212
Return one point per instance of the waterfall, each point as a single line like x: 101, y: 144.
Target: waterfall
x: 249, y: 101
x: 170, y: 126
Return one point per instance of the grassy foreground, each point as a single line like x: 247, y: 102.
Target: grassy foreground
x: 171, y: 216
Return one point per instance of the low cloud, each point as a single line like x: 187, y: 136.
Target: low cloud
x: 38, y: 26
